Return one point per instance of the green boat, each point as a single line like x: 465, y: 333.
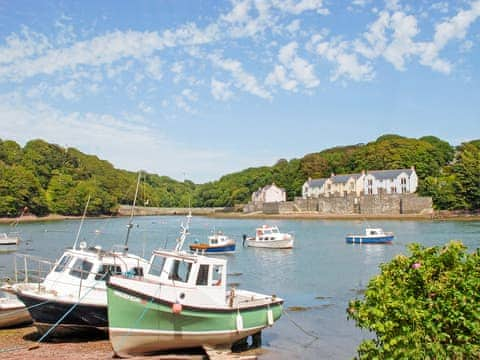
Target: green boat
x: 182, y: 302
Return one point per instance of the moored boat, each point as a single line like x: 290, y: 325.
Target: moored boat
x: 12, y: 311
x: 269, y: 237
x: 218, y: 243
x: 9, y: 239
x: 76, y: 285
x: 182, y: 302
x: 371, y: 236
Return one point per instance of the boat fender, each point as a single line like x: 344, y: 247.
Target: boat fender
x: 239, y: 322
x: 269, y: 317
x: 176, y: 308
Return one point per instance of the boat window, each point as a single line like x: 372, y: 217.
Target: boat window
x: 202, y: 278
x: 136, y: 271
x: 156, y: 266
x: 214, y: 241
x: 106, y: 270
x: 217, y: 275
x: 180, y: 270
x: 62, y: 264
x: 81, y: 268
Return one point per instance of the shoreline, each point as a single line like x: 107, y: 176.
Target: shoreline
x: 239, y: 215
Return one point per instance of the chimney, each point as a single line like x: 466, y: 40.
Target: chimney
x: 332, y: 174
x: 413, y: 168
x: 363, y: 172
x: 309, y: 179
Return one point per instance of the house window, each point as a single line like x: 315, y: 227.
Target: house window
x: 403, y: 182
x: 370, y: 186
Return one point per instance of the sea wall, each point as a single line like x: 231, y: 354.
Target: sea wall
x: 125, y: 210
x: 381, y: 204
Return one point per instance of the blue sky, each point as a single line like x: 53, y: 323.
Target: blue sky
x: 204, y: 88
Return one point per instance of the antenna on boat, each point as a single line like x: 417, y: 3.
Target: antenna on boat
x: 130, y: 223
x: 184, y: 232
x: 81, y: 223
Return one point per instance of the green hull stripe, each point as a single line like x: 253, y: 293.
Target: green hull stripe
x: 129, y: 312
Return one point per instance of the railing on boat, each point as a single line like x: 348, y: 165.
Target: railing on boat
x: 29, y: 268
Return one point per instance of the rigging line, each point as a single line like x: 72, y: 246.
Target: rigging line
x: 44, y: 336
x: 22, y: 309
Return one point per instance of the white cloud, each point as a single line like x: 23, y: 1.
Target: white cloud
x: 221, y: 90
x: 122, y: 142
x: 243, y: 80
x: 293, y: 70
x: 24, y: 45
x: 298, y: 7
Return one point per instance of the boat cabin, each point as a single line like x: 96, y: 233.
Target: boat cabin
x: 200, y: 277
x: 92, y: 265
x: 374, y: 231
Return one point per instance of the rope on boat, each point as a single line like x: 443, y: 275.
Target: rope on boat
x: 44, y: 336
x: 298, y: 326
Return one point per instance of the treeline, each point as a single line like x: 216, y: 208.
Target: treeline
x: 48, y: 178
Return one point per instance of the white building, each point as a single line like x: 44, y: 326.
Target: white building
x: 368, y: 183
x: 269, y: 193
x: 401, y: 181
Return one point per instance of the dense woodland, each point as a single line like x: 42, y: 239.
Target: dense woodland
x: 48, y: 178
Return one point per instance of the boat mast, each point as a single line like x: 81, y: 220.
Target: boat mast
x: 81, y: 223
x: 184, y: 232
x: 130, y: 223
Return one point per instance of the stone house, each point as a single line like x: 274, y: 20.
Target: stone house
x: 268, y: 194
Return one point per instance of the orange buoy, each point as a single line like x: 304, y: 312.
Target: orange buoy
x: 176, y: 308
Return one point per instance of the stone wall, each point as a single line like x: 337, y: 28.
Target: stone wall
x: 416, y: 205
x: 125, y: 210
x: 278, y: 207
x: 382, y: 204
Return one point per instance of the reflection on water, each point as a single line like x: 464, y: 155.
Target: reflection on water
x: 319, y: 275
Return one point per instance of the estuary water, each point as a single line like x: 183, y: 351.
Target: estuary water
x: 317, y: 278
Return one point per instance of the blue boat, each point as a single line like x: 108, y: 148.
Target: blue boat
x: 218, y: 243
x: 372, y: 236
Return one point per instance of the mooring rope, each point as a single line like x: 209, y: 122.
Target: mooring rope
x: 306, y: 332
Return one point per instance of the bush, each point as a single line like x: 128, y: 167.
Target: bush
x: 425, y: 306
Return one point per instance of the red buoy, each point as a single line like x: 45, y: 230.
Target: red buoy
x: 176, y: 308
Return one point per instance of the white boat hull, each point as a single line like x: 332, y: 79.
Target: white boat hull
x: 13, y: 313
x: 270, y: 244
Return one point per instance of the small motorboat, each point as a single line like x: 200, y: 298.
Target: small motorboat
x: 9, y: 239
x: 269, y: 237
x: 218, y: 243
x: 182, y: 302
x: 371, y: 236
x: 12, y: 311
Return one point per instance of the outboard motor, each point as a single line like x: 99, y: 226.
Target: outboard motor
x: 244, y: 238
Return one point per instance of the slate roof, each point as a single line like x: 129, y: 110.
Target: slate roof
x: 342, y: 179
x: 316, y: 183
x: 389, y: 174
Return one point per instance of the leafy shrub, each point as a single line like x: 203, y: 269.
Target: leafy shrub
x: 425, y: 306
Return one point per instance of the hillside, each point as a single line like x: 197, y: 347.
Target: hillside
x: 48, y: 178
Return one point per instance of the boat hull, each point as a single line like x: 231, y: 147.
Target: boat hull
x: 271, y: 244
x: 83, y: 319
x: 13, y: 313
x: 208, y: 249
x: 139, y: 326
x: 358, y: 239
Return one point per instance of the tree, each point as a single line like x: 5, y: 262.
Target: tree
x: 422, y: 306
x: 467, y: 170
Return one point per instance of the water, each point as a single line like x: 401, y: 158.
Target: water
x: 322, y: 273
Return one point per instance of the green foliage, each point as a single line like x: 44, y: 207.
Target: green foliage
x: 56, y: 179
x: 424, y: 306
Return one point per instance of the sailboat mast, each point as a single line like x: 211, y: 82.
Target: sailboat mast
x: 81, y: 223
x: 130, y: 223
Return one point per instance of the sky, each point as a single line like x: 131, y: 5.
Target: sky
x: 197, y: 89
